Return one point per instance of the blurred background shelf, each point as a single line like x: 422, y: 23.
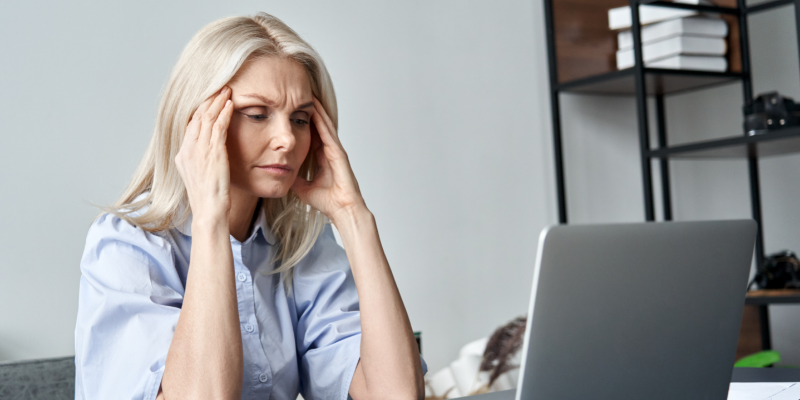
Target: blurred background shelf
x: 762, y: 144
x: 773, y: 296
x: 584, y: 47
x: 657, y: 81
x: 582, y: 60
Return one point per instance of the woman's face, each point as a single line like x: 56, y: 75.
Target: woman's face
x: 270, y: 130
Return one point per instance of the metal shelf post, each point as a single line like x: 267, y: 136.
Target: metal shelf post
x: 666, y: 192
x: 641, y: 112
x: 555, y: 110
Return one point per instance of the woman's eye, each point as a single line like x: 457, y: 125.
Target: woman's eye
x: 301, y: 118
x: 256, y: 117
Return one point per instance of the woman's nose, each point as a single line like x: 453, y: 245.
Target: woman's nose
x: 283, y: 137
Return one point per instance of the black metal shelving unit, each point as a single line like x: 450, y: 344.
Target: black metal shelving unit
x: 641, y: 82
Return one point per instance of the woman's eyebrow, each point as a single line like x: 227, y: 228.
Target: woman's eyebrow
x: 273, y: 103
x: 306, y: 105
x: 259, y: 97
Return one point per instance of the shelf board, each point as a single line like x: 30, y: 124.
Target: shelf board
x: 657, y: 80
x: 695, y: 7
x: 763, y: 144
x: 772, y: 296
x: 767, y: 5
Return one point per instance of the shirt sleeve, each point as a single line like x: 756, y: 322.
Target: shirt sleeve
x: 329, y: 321
x: 129, y: 302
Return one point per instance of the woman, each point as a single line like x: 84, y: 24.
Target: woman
x: 216, y: 275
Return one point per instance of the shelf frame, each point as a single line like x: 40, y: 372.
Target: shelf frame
x: 583, y: 85
x: 693, y: 7
x: 641, y: 111
x: 772, y: 296
x: 767, y: 5
x: 705, y: 149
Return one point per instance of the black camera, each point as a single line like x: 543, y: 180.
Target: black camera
x: 779, y: 271
x: 770, y: 111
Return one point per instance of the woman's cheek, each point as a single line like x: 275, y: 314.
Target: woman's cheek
x: 302, y: 144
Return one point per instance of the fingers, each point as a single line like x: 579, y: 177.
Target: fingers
x: 324, y: 126
x: 325, y: 119
x: 193, y: 129
x: 219, y: 133
x: 301, y: 187
x: 209, y: 116
x: 218, y: 110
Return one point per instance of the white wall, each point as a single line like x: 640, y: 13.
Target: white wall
x: 443, y: 113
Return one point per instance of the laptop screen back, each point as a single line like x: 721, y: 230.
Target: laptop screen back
x: 636, y: 311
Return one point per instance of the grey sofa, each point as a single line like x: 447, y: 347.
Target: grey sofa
x: 49, y: 379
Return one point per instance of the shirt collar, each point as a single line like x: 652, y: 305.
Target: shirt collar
x: 260, y: 224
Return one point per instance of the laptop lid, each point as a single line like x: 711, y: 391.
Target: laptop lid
x: 636, y: 311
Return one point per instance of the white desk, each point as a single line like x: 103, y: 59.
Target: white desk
x: 739, y: 375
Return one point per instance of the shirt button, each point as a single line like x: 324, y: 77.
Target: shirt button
x: 263, y: 378
x: 248, y: 327
x: 242, y: 277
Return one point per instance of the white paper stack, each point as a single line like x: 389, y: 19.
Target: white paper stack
x: 764, y: 391
x: 620, y: 17
x: 672, y: 38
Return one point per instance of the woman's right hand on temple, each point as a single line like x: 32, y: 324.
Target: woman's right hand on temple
x: 202, y: 160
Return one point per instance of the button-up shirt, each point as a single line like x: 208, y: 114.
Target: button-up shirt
x: 131, y: 291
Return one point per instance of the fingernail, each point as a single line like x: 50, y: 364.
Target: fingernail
x: 227, y: 103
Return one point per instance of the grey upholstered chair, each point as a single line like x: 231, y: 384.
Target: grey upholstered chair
x: 50, y: 379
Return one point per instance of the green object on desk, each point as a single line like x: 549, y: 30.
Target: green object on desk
x: 759, y: 360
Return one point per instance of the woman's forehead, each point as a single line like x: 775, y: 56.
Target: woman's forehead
x: 277, y: 80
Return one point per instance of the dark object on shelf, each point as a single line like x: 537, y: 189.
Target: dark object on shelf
x: 770, y: 111
x: 779, y: 271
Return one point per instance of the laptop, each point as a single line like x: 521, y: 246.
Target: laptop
x: 636, y: 311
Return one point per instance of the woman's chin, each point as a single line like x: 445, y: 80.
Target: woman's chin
x: 272, y: 191
x: 264, y: 188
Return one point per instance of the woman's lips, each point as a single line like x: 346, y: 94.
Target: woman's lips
x: 277, y: 169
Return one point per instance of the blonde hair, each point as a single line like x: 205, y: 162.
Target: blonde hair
x: 209, y: 61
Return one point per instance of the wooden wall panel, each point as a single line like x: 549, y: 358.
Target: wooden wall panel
x: 584, y: 44
x: 749, y: 334
x: 734, y: 46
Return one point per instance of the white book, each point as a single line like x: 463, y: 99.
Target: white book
x: 696, y: 63
x: 694, y: 26
x: 682, y: 45
x: 620, y: 17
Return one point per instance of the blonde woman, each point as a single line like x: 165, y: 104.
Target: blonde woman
x: 215, y: 275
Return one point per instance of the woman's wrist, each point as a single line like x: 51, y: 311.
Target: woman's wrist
x: 351, y: 217
x: 210, y: 226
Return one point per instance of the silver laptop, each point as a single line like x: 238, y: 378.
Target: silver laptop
x: 636, y: 311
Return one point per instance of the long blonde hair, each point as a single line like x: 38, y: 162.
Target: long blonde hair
x: 209, y: 61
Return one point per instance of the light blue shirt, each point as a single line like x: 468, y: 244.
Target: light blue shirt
x: 131, y: 291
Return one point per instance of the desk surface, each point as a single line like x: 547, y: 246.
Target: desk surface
x: 739, y: 375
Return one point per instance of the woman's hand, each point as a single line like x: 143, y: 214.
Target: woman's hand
x: 389, y: 366
x: 202, y: 160
x: 208, y: 332
x: 334, y: 190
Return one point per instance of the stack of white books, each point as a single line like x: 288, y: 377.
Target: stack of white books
x: 672, y: 38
